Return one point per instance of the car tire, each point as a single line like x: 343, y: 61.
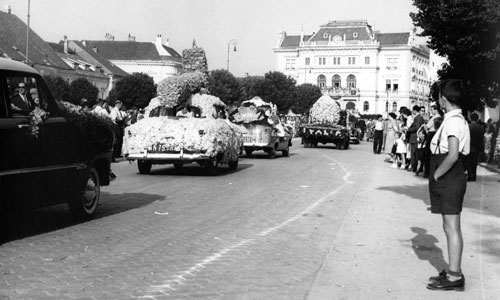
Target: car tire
x: 233, y: 165
x: 144, y: 166
x: 248, y: 152
x: 286, y: 152
x: 86, y: 204
x: 271, y: 153
x: 212, y: 167
x: 178, y: 165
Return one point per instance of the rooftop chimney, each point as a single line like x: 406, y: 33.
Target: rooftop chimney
x: 159, y: 39
x: 65, y: 43
x: 131, y: 38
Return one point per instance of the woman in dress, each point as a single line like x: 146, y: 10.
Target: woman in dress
x: 448, y: 181
x: 392, y: 128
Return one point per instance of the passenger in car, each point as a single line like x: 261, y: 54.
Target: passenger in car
x: 21, y: 101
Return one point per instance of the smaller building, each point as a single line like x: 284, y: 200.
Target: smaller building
x: 155, y: 59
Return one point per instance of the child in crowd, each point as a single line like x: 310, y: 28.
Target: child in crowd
x: 400, y: 151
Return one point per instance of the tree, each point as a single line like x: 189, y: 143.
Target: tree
x: 58, y: 87
x: 194, y: 59
x: 224, y: 85
x: 307, y: 94
x: 82, y: 88
x: 284, y: 93
x: 247, y: 87
x: 466, y: 33
x: 134, y: 90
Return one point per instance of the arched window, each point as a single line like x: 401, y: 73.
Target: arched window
x: 336, y: 81
x: 366, y: 106
x: 321, y: 81
x: 394, y: 106
x: 351, y: 81
x: 350, y: 105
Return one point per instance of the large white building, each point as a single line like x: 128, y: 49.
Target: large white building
x: 373, y: 72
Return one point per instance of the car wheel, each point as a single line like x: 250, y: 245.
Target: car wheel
x: 211, y: 167
x: 233, y: 165
x: 271, y: 152
x: 144, y: 166
x: 285, y: 153
x: 86, y: 205
x: 178, y: 165
x: 248, y: 152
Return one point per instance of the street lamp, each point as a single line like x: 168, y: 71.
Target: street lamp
x: 234, y: 43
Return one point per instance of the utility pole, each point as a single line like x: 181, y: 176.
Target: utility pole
x: 28, y: 33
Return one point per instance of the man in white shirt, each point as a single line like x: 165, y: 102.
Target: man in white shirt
x: 378, y: 136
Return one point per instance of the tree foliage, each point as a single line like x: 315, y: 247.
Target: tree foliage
x: 307, y: 94
x: 282, y: 91
x: 466, y: 32
x: 134, y: 90
x: 82, y: 88
x: 58, y: 87
x: 224, y: 85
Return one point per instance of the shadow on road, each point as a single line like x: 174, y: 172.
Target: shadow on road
x: 424, y: 246
x: 195, y: 170
x: 419, y: 192
x: 57, y: 217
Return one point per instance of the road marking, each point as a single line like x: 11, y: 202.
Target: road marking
x: 182, y: 277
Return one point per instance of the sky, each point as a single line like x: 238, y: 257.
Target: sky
x: 254, y: 24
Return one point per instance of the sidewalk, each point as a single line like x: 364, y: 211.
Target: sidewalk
x: 390, y: 243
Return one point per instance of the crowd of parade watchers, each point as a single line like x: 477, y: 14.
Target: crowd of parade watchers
x: 405, y: 138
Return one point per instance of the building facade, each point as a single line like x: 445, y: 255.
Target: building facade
x: 372, y: 72
x: 155, y: 59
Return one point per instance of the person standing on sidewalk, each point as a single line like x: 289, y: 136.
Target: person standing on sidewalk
x: 448, y: 182
x: 431, y: 130
x: 378, y: 135
x: 476, y: 147
x: 418, y: 121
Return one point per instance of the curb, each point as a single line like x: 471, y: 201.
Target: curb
x: 490, y: 167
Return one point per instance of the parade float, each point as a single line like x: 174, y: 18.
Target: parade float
x: 324, y: 125
x: 183, y: 125
x: 264, y: 129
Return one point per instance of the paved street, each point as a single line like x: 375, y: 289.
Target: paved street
x: 320, y: 224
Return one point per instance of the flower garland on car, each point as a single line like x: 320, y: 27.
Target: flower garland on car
x: 37, y: 116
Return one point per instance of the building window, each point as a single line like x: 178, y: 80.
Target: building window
x: 355, y: 34
x: 395, y: 85
x: 336, y: 60
x: 325, y: 35
x: 392, y: 63
x: 321, y: 81
x: 366, y: 106
x: 290, y: 64
x: 308, y: 61
x: 367, y: 60
x: 351, y: 81
x: 336, y: 81
x: 351, y: 60
x: 387, y: 85
x: 322, y: 60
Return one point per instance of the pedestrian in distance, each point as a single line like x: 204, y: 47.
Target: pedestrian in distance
x: 378, y: 135
x: 448, y: 181
x: 418, y: 121
x: 476, y: 147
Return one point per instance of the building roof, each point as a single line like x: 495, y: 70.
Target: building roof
x: 400, y: 38
x: 90, y: 55
x: 293, y: 41
x: 131, y: 50
x: 13, y: 43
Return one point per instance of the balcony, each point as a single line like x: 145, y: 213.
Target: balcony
x: 337, y: 93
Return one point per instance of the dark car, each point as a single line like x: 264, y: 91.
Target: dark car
x: 49, y: 163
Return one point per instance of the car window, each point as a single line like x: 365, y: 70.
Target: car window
x: 25, y: 94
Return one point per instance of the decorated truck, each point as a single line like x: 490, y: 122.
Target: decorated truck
x: 264, y: 130
x: 183, y: 125
x: 323, y: 125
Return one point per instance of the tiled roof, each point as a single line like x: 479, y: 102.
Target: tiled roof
x: 90, y: 55
x: 131, y: 50
x: 400, y: 38
x: 13, y: 43
x: 293, y: 41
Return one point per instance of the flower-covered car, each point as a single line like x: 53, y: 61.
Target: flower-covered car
x: 194, y: 132
x: 46, y: 159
